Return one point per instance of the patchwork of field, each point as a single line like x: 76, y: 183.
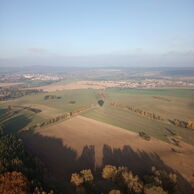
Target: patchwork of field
x: 49, y: 108
x: 169, y: 103
x: 85, y: 143
x: 105, y: 134
x: 133, y: 122
x: 62, y: 104
x: 146, y: 83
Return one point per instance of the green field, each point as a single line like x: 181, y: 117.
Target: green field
x: 132, y: 121
x: 50, y: 108
x: 168, y: 103
x: 178, y: 104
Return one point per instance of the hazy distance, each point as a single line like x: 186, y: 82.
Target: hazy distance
x: 97, y: 33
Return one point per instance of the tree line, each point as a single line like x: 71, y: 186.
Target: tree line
x: 150, y: 115
x: 120, y: 180
x: 35, y: 110
x: 144, y: 113
x: 13, y: 93
x: 47, y: 97
x: 162, y: 98
x: 58, y: 118
x: 184, y: 124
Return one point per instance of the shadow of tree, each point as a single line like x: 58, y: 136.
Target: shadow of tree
x: 3, y: 111
x: 140, y: 163
x: 62, y: 160
x: 87, y: 158
x: 16, y: 123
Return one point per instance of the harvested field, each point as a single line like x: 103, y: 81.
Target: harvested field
x: 131, y: 121
x: 85, y: 143
x: 9, y: 84
x: 80, y: 85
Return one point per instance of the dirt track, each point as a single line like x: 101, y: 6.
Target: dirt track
x: 85, y: 143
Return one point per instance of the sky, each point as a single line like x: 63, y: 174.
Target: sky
x: 97, y: 32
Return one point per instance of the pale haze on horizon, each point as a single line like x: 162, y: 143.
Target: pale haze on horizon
x: 98, y: 32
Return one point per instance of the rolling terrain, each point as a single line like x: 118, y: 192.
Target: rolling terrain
x: 81, y: 143
x: 70, y: 131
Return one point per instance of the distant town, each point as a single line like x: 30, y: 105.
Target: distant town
x: 161, y: 82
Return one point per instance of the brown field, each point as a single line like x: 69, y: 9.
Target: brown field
x: 98, y: 85
x: 79, y: 85
x: 9, y: 84
x: 85, y: 143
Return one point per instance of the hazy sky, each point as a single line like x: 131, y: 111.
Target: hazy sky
x: 92, y: 32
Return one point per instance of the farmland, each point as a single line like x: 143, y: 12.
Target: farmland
x: 178, y: 106
x: 85, y: 143
x: 168, y: 103
x: 96, y: 97
x: 133, y: 122
x: 5, y: 84
x: 179, y: 103
x: 49, y: 108
x: 70, y: 127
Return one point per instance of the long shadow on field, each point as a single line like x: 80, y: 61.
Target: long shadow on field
x: 137, y: 161
x: 62, y: 160
x: 16, y: 123
x: 140, y: 163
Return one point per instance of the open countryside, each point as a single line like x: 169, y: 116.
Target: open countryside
x: 96, y: 97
